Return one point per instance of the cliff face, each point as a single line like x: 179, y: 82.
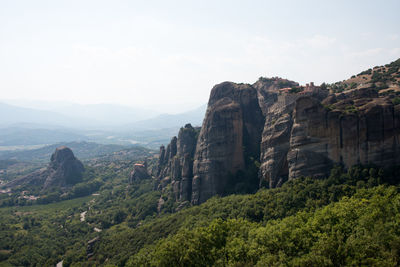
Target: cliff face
x: 229, y: 137
x: 175, y: 165
x: 357, y: 127
x: 369, y: 133
x: 286, y: 130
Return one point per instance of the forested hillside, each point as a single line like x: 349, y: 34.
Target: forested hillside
x: 350, y: 218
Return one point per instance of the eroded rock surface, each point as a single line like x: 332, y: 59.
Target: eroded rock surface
x: 229, y: 137
x: 176, y: 163
x: 285, y: 130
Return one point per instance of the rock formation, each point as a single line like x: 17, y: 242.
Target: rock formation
x: 230, y: 136
x: 63, y: 170
x: 176, y: 163
x: 355, y: 127
x: 286, y: 130
x: 366, y: 133
x: 139, y: 172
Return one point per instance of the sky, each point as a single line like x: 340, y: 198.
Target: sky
x: 167, y: 55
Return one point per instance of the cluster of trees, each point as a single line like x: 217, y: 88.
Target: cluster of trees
x: 303, y: 195
x: 362, y: 230
x: 39, y: 235
x: 337, y: 87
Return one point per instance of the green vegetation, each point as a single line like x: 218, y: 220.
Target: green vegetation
x: 305, y: 195
x: 383, y: 75
x: 39, y: 235
x: 295, y: 90
x: 285, y: 83
x: 396, y: 100
x: 7, y: 162
x: 350, y: 109
x: 349, y: 218
x: 353, y: 85
x: 329, y: 107
x: 366, y: 72
x: 379, y: 77
x: 282, y: 83
x: 103, y: 171
x: 82, y: 150
x: 362, y: 230
x: 337, y: 87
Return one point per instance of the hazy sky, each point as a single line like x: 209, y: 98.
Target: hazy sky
x: 168, y: 54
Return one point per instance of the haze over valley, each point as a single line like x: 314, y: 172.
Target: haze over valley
x: 107, y: 124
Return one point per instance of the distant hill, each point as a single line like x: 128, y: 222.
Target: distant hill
x: 164, y: 121
x: 73, y: 115
x: 21, y: 126
x: 106, y: 114
x: 21, y: 135
x: 10, y: 114
x: 97, y: 116
x: 82, y: 150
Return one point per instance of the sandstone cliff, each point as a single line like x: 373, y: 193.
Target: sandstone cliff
x: 229, y: 138
x: 284, y: 131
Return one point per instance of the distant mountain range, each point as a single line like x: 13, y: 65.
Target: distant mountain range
x: 99, y: 116
x: 163, y: 121
x: 107, y: 124
x: 12, y: 115
x: 73, y: 115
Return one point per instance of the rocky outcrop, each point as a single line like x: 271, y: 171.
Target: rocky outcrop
x: 63, y: 170
x: 357, y: 127
x: 139, y: 173
x: 360, y: 129
x: 282, y: 131
x: 274, y: 149
x: 176, y: 163
x: 229, y: 139
x: 267, y: 91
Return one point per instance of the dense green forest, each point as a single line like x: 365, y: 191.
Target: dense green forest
x: 362, y: 230
x: 350, y: 218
